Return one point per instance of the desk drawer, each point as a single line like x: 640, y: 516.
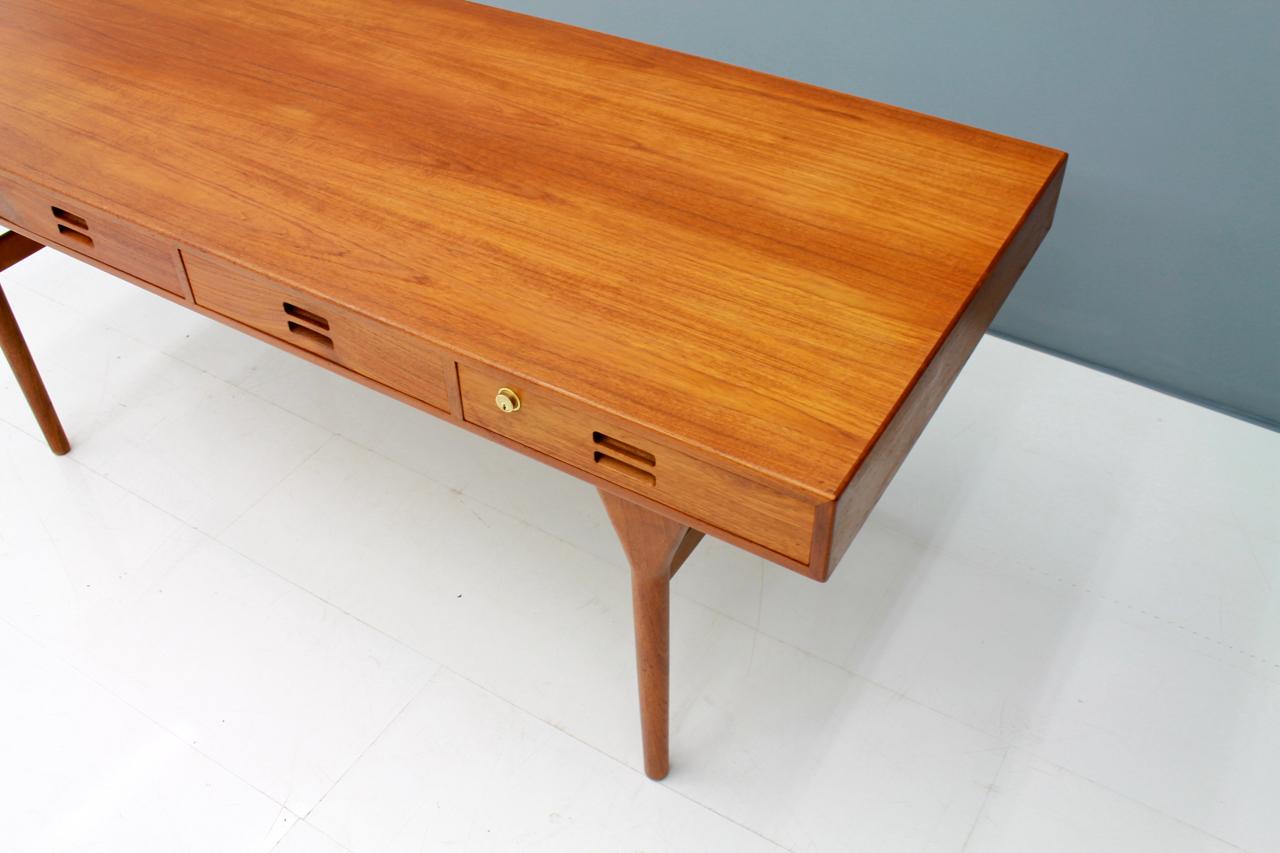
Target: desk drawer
x: 593, y: 441
x: 391, y: 356
x: 88, y: 232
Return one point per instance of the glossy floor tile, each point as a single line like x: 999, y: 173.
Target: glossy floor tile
x: 81, y: 770
x: 178, y: 437
x: 259, y: 607
x: 1037, y: 805
x: 802, y: 728
x: 512, y: 783
x: 304, y: 838
x: 526, y: 614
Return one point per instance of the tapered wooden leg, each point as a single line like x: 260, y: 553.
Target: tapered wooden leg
x: 14, y: 247
x: 656, y: 546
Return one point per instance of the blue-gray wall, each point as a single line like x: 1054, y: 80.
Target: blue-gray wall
x: 1164, y: 261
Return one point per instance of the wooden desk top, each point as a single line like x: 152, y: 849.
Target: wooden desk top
x: 757, y: 268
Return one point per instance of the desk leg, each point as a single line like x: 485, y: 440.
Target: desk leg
x: 656, y: 546
x: 13, y: 248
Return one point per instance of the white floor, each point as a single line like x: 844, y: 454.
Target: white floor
x: 261, y: 608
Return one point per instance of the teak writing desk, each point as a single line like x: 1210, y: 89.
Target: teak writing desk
x: 729, y: 301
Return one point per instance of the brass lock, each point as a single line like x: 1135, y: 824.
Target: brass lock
x: 507, y: 400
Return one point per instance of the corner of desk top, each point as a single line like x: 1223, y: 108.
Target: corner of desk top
x: 837, y: 521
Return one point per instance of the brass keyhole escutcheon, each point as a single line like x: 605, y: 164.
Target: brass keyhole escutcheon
x: 507, y: 400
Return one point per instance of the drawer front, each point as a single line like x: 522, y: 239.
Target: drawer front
x: 88, y: 232
x: 586, y: 438
x: 380, y: 352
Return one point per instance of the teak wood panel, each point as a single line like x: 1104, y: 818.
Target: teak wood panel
x: 891, y: 447
x: 753, y: 268
x: 821, y: 532
x: 182, y: 298
x: 387, y: 355
x: 598, y: 443
x: 90, y: 232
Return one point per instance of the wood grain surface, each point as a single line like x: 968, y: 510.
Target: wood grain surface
x: 69, y: 224
x: 882, y: 461
x: 718, y: 496
x: 386, y: 355
x: 756, y: 268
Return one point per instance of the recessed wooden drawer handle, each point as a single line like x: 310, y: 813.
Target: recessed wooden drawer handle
x: 73, y: 219
x: 309, y: 334
x: 630, y: 451
x: 75, y: 236
x: 306, y: 316
x: 625, y: 468
x: 507, y: 400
